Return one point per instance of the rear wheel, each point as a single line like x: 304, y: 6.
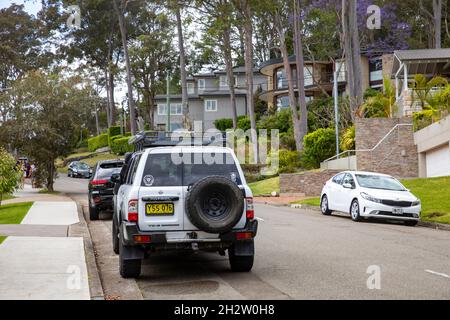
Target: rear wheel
x: 240, y: 263
x: 324, y: 206
x: 93, y: 213
x: 354, y: 210
x: 129, y: 268
x: 115, y: 236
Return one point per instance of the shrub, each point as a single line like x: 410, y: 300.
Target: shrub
x: 348, y: 139
x: 281, y: 120
x: 289, y: 161
x: 244, y: 123
x: 287, y: 141
x: 112, y: 132
x: 422, y: 119
x: 98, y: 142
x: 318, y: 146
x: 119, y: 145
x: 223, y: 124
x: 8, y: 175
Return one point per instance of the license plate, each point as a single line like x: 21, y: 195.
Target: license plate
x: 155, y: 209
x: 397, y: 210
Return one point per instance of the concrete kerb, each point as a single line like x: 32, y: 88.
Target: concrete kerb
x: 81, y: 229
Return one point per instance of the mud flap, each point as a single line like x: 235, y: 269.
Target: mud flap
x: 244, y: 248
x: 131, y: 253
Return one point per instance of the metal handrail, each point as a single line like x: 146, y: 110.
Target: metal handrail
x: 372, y: 149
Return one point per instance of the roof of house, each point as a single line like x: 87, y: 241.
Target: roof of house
x: 424, y: 61
x: 423, y: 54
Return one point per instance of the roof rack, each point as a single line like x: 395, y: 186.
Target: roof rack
x: 153, y: 139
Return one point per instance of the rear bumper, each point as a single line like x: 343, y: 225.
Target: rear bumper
x: 102, y: 201
x: 159, y: 240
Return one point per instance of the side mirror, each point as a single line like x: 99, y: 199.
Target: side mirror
x: 116, y: 178
x: 347, y: 186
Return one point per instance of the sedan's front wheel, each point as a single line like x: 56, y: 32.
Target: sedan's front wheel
x: 354, y: 210
x: 324, y: 206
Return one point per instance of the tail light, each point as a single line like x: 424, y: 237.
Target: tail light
x: 250, y: 212
x: 99, y: 182
x: 142, y: 239
x: 244, y: 235
x: 133, y: 210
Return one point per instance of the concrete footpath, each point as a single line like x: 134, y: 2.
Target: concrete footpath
x: 38, y: 260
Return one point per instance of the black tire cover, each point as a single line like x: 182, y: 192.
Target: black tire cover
x: 214, y: 204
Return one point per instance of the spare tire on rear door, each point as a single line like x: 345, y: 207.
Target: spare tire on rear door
x: 215, y: 204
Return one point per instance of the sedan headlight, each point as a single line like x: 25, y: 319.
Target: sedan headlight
x: 370, y: 198
x: 415, y: 203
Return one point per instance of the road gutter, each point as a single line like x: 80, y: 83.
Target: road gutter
x: 81, y: 229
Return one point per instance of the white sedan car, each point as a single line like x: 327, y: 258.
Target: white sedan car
x: 370, y: 195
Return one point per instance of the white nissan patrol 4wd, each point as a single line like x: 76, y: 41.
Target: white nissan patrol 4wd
x: 182, y: 198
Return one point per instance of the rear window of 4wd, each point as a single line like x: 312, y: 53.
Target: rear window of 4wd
x: 160, y: 170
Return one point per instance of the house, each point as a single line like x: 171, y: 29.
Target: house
x: 208, y: 99
x: 408, y: 63
x: 433, y: 147
x: 319, y: 77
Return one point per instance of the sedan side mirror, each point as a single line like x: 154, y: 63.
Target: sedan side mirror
x: 347, y: 186
x: 116, y: 178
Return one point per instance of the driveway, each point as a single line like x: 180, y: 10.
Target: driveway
x: 300, y: 254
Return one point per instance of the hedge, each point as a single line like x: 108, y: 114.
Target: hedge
x: 112, y: 132
x: 98, y: 142
x: 119, y: 145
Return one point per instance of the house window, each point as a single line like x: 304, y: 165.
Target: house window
x: 175, y: 109
x: 308, y: 74
x: 210, y: 105
x: 190, y: 88
x: 282, y: 102
x: 223, y: 82
x: 201, y: 84
x: 282, y: 82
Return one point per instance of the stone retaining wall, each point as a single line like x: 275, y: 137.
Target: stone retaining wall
x: 308, y: 183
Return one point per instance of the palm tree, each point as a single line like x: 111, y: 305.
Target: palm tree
x: 380, y: 105
x: 422, y: 87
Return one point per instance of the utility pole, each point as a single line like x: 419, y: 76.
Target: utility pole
x: 336, y: 105
x: 168, y: 101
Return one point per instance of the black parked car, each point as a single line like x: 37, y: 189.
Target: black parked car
x: 79, y: 169
x: 101, y: 188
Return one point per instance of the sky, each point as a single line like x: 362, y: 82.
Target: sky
x: 31, y: 6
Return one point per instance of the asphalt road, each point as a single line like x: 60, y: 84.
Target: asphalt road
x: 300, y: 254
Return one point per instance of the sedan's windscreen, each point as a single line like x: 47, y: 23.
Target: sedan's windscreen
x: 107, y: 173
x: 379, y: 182
x: 165, y: 170
x: 82, y: 166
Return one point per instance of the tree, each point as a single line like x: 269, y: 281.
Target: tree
x: 352, y: 53
x: 218, y: 18
x: 281, y: 20
x: 9, y: 176
x: 120, y: 10
x: 44, y: 119
x: 435, y: 20
x: 151, y: 55
x: 246, y: 12
x: 299, y: 58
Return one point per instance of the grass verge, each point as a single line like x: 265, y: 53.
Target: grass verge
x: 2, y: 239
x: 435, y: 196
x: 265, y: 186
x: 14, y: 213
x: 311, y: 201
